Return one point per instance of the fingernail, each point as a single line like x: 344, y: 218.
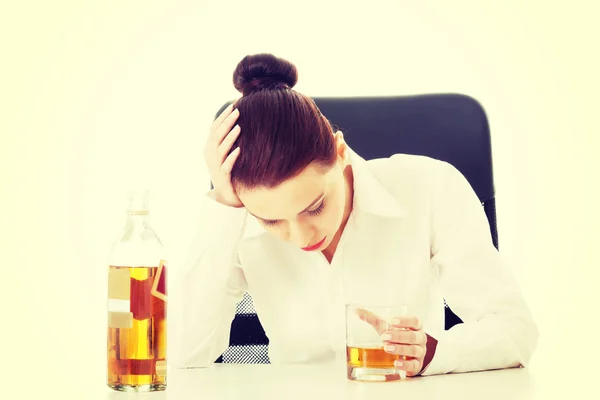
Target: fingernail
x: 398, y: 363
x: 389, y: 347
x: 386, y: 337
x: 395, y: 322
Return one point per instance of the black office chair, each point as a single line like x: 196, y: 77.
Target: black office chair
x: 449, y: 127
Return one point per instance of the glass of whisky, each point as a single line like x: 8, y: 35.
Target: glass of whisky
x: 366, y: 360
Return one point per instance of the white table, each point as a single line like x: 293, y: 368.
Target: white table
x: 328, y: 381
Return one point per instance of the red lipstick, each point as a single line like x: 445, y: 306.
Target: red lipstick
x: 315, y: 246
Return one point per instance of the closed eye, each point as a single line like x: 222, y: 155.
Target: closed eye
x: 314, y: 212
x: 318, y: 210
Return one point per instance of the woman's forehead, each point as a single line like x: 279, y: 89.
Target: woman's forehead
x: 289, y: 198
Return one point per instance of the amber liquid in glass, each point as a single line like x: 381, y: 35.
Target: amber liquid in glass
x: 370, y: 357
x: 137, y: 339
x: 372, y: 362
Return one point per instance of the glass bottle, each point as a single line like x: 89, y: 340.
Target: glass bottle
x: 137, y: 320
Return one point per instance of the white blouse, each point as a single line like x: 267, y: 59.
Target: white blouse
x: 417, y: 235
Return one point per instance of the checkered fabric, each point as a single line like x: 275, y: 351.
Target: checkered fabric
x: 253, y: 354
x: 245, y: 306
x: 249, y: 352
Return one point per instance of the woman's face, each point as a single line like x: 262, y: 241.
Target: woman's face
x: 306, y: 210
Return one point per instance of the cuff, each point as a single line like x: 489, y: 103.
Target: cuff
x: 220, y: 218
x: 431, y: 346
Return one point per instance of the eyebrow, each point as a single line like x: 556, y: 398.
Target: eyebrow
x: 314, y: 202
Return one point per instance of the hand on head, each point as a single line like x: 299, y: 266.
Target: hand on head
x: 218, y: 157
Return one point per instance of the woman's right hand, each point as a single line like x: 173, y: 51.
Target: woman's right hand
x: 221, y: 137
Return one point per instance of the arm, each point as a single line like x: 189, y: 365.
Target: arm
x: 210, y: 286
x: 498, y: 330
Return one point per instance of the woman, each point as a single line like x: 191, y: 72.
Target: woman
x: 305, y: 225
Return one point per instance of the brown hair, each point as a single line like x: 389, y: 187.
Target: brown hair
x: 282, y: 131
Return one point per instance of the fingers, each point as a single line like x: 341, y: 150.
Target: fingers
x: 372, y: 319
x: 408, y: 350
x: 409, y: 322
x: 218, y: 132
x: 227, y: 165
x: 228, y: 142
x: 222, y: 117
x: 402, y: 336
x: 410, y: 345
x: 411, y: 366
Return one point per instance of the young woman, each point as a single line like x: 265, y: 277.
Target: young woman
x: 305, y: 225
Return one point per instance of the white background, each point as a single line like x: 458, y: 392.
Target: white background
x: 97, y: 97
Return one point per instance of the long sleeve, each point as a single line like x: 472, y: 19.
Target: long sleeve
x: 498, y: 330
x: 210, y: 286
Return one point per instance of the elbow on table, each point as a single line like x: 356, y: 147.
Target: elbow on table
x: 526, y: 339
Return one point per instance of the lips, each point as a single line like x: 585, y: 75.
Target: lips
x: 315, y: 246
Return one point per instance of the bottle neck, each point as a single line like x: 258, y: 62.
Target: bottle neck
x: 137, y: 220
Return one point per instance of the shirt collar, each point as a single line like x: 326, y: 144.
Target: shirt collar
x: 370, y: 195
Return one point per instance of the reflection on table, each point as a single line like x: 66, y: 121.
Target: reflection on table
x: 328, y: 381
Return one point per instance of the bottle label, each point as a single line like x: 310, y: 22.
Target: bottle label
x: 137, y: 325
x: 119, y: 295
x: 135, y: 293
x: 159, y: 287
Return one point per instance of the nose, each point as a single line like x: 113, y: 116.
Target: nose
x: 300, y: 235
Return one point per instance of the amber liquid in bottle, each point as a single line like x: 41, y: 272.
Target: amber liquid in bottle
x: 137, y: 331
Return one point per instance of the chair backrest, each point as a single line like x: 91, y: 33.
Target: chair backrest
x: 449, y: 127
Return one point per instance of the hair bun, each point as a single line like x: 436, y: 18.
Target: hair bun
x: 264, y: 71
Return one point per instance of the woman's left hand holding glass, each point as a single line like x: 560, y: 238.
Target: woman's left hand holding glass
x: 405, y: 337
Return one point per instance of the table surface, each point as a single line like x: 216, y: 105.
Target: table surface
x: 328, y: 381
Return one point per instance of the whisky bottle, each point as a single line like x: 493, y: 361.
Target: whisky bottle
x: 137, y: 296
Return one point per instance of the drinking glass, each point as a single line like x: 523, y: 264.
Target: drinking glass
x: 366, y: 359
